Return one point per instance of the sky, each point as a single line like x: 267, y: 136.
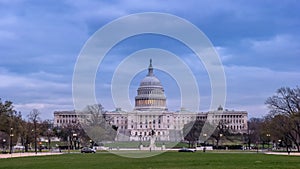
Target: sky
x: 257, y: 41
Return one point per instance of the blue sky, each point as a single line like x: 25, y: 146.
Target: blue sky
x: 257, y: 41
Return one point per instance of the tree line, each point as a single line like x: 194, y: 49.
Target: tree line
x: 16, y: 129
x: 27, y: 131
x: 281, y: 126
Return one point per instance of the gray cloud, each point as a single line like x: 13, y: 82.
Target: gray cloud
x: 40, y: 41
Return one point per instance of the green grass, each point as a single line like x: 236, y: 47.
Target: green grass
x: 136, y: 144
x: 169, y: 160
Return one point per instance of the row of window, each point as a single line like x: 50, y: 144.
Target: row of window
x: 121, y: 117
x: 150, y: 92
x: 72, y: 116
x: 147, y: 133
x: 120, y: 122
x: 150, y: 116
x: 146, y: 126
x: 234, y: 127
x: 149, y: 122
x: 150, y: 102
x: 227, y: 116
x: 240, y: 121
x: 123, y: 127
x: 68, y: 116
x: 63, y: 121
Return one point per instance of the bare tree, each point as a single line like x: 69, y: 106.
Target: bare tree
x: 96, y: 125
x: 96, y: 114
x: 26, y: 134
x: 46, y: 129
x: 192, y: 130
x: 34, y: 118
x: 254, y: 133
x: 285, y: 108
x: 221, y: 131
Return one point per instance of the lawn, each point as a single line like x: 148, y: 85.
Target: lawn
x: 167, y: 160
x: 136, y: 144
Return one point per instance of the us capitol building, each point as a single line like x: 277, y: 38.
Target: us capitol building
x: 151, y: 116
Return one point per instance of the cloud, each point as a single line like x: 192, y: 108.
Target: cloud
x: 46, y: 110
x: 251, y: 86
x: 276, y: 46
x: 32, y: 91
x: 223, y: 53
x: 279, y: 52
x: 258, y: 43
x: 14, y: 80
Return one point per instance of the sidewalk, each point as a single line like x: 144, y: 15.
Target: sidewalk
x: 284, y: 153
x: 27, y: 154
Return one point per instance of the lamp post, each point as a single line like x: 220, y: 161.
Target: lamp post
x: 91, y: 143
x: 257, y: 146
x: 149, y: 131
x: 68, y: 139
x: 74, y: 139
x: 152, y: 136
x: 11, y: 137
x: 140, y: 136
x: 35, y: 139
x: 49, y: 139
x: 248, y: 132
x: 278, y: 144
x: 3, y: 144
x: 268, y: 140
x: 221, y: 135
x: 204, y: 135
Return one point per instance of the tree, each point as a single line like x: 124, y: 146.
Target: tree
x: 34, y: 118
x: 285, y: 108
x: 6, y: 107
x: 46, y: 129
x: 96, y: 114
x: 255, y: 128
x: 6, y: 116
x: 26, y: 134
x: 279, y: 127
x: 9, y: 122
x: 96, y: 125
x: 220, y: 131
x: 192, y: 131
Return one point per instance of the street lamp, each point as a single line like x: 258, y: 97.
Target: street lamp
x: 278, y: 144
x: 221, y: 135
x: 91, y: 143
x: 140, y: 139
x: 3, y: 144
x: 204, y: 135
x: 35, y: 139
x: 257, y: 146
x: 11, y: 137
x: 49, y: 139
x: 268, y: 140
x: 74, y: 139
x: 149, y: 130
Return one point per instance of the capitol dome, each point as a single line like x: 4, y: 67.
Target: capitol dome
x: 150, y: 81
x: 151, y: 94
